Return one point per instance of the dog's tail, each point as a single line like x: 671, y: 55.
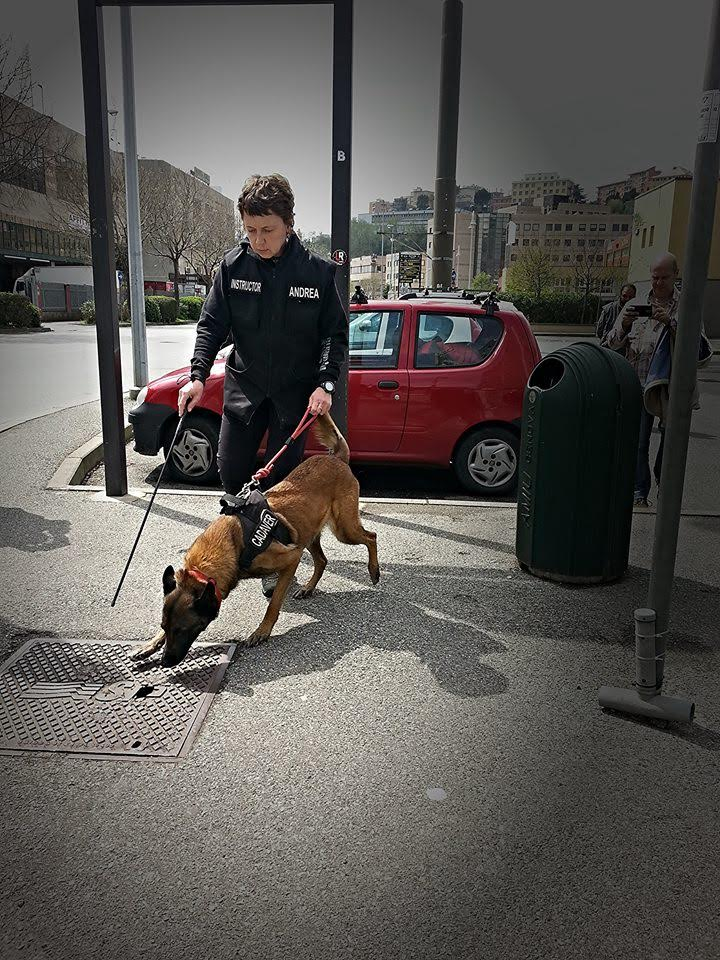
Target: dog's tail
x: 329, y: 436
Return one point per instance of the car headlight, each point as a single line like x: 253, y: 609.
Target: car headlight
x: 141, y: 396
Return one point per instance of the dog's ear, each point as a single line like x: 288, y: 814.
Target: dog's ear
x: 169, y: 583
x: 206, y: 604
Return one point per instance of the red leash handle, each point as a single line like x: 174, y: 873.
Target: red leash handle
x: 307, y: 421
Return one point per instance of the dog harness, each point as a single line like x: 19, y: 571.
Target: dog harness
x: 259, y: 523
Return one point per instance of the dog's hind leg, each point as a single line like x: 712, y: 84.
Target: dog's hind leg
x: 150, y: 647
x: 345, y: 524
x: 273, y: 610
x: 320, y: 561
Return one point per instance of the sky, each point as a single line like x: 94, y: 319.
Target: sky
x: 592, y: 91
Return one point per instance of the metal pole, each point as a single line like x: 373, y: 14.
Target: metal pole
x: 341, y: 170
x: 92, y: 47
x: 685, y: 354
x: 132, y: 198
x: 382, y: 255
x: 444, y: 211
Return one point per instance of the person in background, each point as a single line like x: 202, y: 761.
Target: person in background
x: 359, y: 295
x: 610, y: 311
x: 635, y: 332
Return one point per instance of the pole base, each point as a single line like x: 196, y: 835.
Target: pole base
x: 656, y: 706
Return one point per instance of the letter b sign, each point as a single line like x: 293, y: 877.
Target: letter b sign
x: 341, y: 155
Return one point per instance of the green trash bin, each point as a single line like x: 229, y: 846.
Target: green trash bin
x: 580, y: 428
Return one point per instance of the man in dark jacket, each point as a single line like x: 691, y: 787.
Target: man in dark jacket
x: 280, y: 305
x: 359, y: 295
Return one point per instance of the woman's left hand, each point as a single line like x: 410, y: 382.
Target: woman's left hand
x: 319, y: 402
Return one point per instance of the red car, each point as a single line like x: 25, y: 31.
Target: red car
x: 433, y: 380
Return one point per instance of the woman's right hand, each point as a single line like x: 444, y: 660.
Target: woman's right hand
x: 189, y: 395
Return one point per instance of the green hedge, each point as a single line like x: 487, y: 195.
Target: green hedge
x: 557, y: 308
x: 87, y: 312
x: 193, y: 306
x: 167, y: 306
x: 152, y: 311
x: 157, y: 310
x: 17, y: 311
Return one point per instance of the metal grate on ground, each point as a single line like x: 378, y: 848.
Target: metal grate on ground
x: 90, y: 698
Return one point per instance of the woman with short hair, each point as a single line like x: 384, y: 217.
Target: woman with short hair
x: 280, y: 305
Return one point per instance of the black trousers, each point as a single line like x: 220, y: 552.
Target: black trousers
x: 239, y: 443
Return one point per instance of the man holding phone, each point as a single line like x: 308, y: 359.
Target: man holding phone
x: 635, y: 333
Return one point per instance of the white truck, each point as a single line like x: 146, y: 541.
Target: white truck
x: 57, y: 292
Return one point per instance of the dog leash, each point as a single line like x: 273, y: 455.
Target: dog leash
x: 149, y: 507
x: 264, y: 472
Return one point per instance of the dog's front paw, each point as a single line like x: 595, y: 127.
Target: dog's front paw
x: 142, y: 653
x: 255, y: 638
x: 302, y: 594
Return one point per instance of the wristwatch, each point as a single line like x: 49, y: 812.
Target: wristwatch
x: 328, y: 386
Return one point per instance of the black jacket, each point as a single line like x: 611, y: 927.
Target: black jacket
x: 289, y: 329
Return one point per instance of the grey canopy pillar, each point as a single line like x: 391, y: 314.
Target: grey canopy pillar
x: 341, y: 141
x: 92, y: 48
x: 102, y: 242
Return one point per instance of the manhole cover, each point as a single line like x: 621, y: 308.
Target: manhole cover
x: 76, y: 696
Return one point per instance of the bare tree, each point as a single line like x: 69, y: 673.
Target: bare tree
x: 372, y: 284
x: 72, y: 198
x: 318, y: 243
x: 25, y: 141
x: 589, y: 276
x: 171, y: 210
x: 215, y: 235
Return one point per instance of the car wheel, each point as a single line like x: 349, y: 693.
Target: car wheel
x: 486, y: 461
x: 193, y: 459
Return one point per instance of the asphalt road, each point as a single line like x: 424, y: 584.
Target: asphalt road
x: 47, y: 372
x: 44, y: 373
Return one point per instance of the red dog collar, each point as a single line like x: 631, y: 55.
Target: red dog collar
x: 201, y: 578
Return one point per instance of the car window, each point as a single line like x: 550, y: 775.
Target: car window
x: 449, y: 340
x: 375, y: 339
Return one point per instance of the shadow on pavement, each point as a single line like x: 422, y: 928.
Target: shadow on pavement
x: 451, y: 618
x: 31, y: 532
x: 406, y: 482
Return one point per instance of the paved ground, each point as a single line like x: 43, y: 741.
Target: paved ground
x: 418, y: 770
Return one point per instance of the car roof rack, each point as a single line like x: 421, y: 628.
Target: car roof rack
x: 487, y: 299
x: 439, y: 295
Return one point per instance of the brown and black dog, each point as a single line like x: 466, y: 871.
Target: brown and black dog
x: 321, y: 492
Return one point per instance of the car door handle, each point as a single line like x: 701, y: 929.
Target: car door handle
x: 388, y: 384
